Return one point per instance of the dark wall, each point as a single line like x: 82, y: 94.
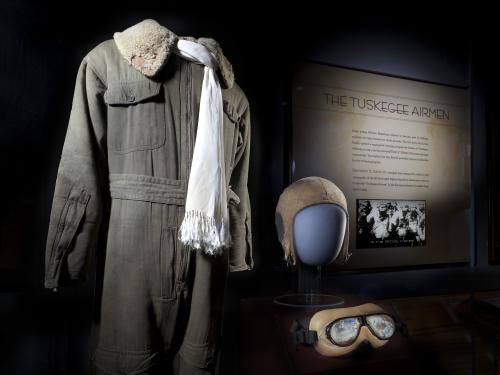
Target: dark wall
x: 41, y: 46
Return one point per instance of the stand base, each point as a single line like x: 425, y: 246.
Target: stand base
x: 308, y: 300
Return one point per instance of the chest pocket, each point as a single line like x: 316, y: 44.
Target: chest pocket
x: 136, y: 116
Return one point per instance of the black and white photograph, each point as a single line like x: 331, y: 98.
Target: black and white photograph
x: 390, y: 223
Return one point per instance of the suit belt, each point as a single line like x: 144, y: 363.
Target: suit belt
x: 148, y: 188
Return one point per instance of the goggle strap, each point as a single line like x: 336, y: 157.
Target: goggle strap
x: 402, y: 328
x: 302, y: 335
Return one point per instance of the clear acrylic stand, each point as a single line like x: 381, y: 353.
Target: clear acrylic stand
x: 309, y: 293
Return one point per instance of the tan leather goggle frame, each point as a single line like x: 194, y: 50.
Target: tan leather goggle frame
x: 322, y: 320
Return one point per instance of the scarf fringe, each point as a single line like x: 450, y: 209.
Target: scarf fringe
x: 199, y: 231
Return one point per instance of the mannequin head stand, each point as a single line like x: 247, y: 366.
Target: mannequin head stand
x: 318, y: 235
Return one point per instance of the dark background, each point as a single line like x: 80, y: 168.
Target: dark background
x: 41, y: 46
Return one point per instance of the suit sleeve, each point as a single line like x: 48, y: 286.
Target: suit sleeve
x: 77, y: 207
x: 240, y: 214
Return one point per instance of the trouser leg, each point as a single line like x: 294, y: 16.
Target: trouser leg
x: 198, y: 351
x: 135, y: 299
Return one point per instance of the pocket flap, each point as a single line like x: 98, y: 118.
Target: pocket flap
x: 232, y: 196
x: 230, y: 111
x: 131, y: 92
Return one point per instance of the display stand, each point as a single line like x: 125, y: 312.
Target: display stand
x: 309, y: 291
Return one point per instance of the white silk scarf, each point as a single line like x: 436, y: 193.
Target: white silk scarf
x: 206, y: 223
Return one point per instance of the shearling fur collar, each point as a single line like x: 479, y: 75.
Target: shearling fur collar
x: 147, y: 45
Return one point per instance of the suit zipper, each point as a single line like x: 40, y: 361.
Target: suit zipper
x: 184, y: 256
x: 189, y: 117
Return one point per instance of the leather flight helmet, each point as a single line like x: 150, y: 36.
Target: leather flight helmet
x: 298, y: 195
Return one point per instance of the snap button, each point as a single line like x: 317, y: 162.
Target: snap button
x: 130, y: 98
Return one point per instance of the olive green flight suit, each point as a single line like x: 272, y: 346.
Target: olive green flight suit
x: 130, y: 142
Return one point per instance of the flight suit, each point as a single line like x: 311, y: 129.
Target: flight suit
x: 128, y: 147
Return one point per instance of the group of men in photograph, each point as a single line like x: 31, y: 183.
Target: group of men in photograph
x: 384, y: 223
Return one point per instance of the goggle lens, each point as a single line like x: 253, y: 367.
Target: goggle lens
x: 345, y: 331
x: 382, y: 325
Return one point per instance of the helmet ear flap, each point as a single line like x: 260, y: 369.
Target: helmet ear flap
x: 344, y: 254
x: 283, y: 238
x: 280, y: 228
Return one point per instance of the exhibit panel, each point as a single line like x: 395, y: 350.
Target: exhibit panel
x: 399, y: 149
